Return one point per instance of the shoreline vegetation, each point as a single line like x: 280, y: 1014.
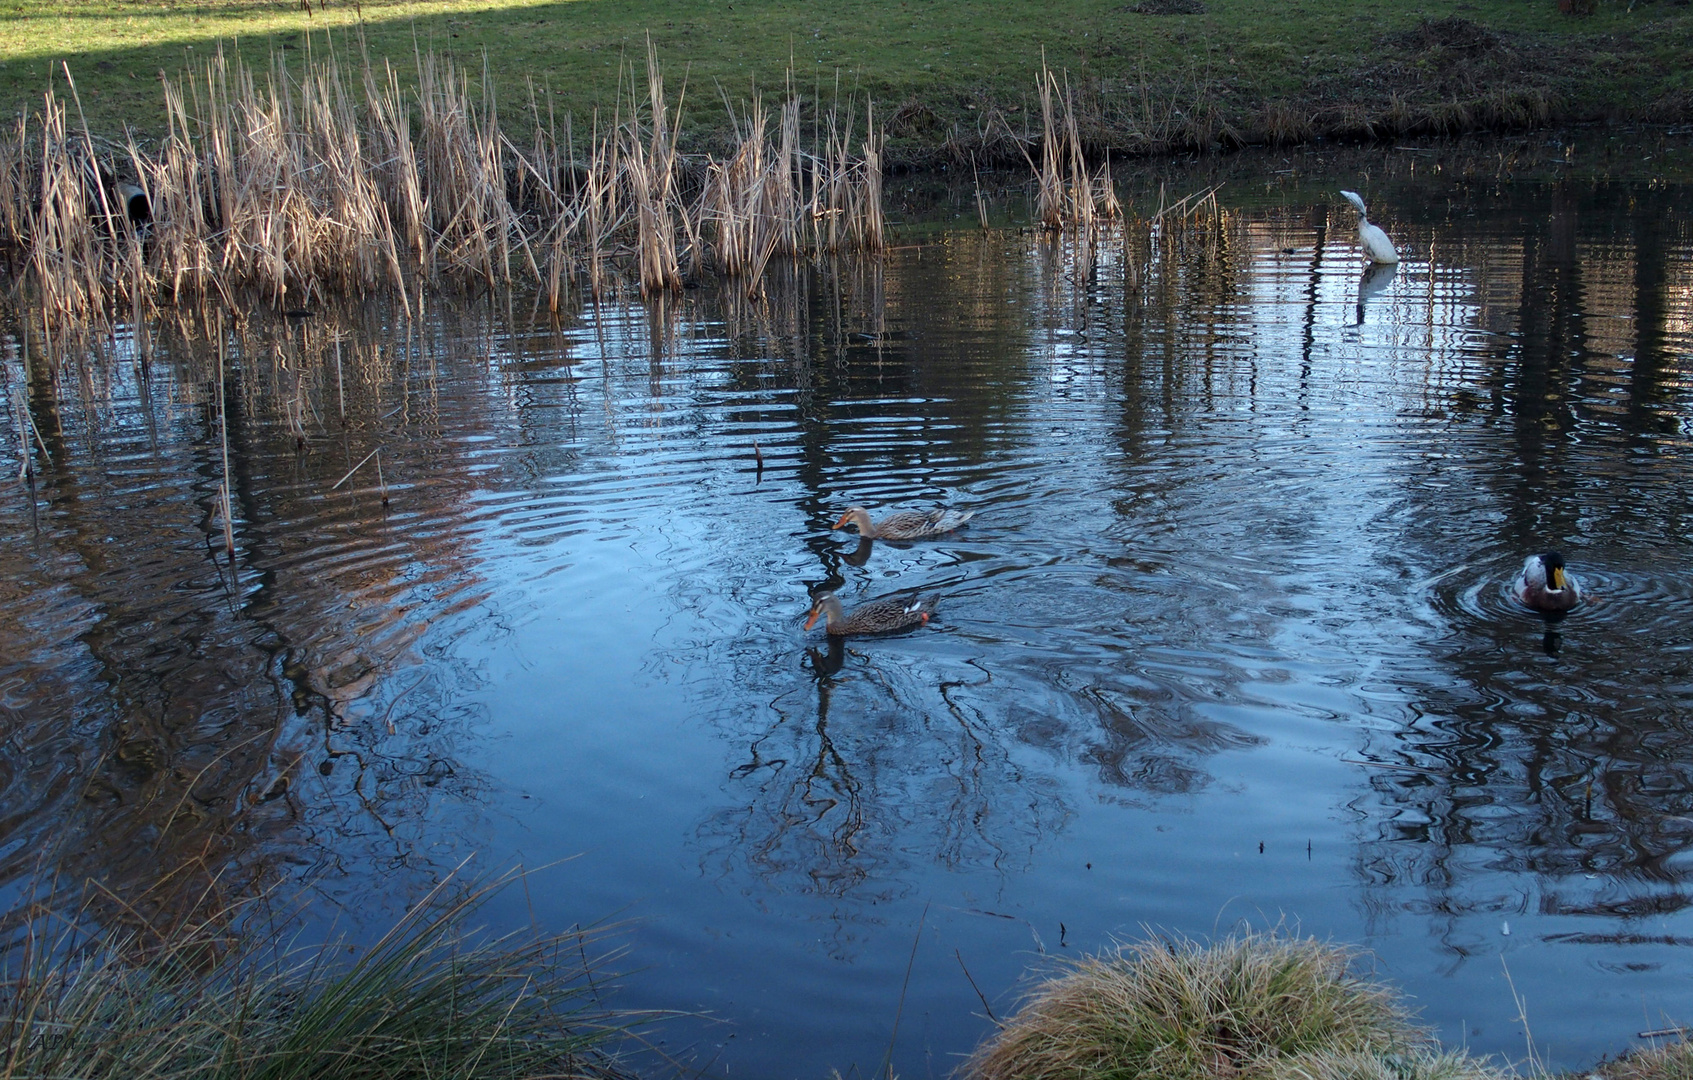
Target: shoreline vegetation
x: 345, y: 181
x: 957, y: 82
x: 223, y: 993
x: 230, y: 995
x: 347, y: 165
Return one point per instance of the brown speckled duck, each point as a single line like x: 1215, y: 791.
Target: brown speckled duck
x: 905, y: 525
x: 877, y: 617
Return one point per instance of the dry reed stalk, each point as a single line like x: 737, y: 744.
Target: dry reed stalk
x: 1066, y: 194
x: 869, y: 223
x: 1105, y: 193
x: 733, y: 195
x: 1049, y: 198
x: 1079, y: 191
x: 652, y: 182
x: 16, y: 202
x: 63, y: 239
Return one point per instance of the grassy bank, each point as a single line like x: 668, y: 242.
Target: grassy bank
x: 226, y: 997
x: 955, y: 77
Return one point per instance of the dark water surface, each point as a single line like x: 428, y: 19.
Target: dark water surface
x: 1228, y: 642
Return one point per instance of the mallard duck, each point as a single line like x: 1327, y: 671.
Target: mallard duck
x: 1544, y: 586
x: 1376, y: 244
x: 876, y: 617
x: 905, y: 525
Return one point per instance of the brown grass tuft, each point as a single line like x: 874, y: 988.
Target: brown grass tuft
x: 1671, y: 1061
x: 1177, y: 1010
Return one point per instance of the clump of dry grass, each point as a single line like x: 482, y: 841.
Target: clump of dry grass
x: 1669, y: 1061
x: 1178, y: 1010
x: 1066, y: 195
x: 1363, y: 1065
x: 219, y: 998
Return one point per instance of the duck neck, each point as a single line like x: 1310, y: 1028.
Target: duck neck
x: 861, y: 518
x: 832, y: 617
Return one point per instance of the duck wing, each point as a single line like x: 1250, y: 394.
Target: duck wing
x: 913, y: 524
x: 886, y: 616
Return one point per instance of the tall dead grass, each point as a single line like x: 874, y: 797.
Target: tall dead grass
x: 302, y: 181
x: 1660, y: 1061
x: 1067, y: 195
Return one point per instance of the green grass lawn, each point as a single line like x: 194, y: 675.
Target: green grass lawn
x: 946, y: 62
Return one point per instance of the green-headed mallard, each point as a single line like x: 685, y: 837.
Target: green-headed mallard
x: 1545, y: 586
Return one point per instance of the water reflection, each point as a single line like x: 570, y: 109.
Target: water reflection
x: 1377, y: 277
x: 1239, y: 580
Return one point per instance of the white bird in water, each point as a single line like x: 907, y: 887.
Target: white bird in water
x: 1376, y: 244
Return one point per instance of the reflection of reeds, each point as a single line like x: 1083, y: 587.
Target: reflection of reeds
x: 301, y: 183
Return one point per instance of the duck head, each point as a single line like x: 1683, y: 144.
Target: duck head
x: 856, y: 515
x: 823, y: 606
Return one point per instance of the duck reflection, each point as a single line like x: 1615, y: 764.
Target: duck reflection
x: 859, y: 555
x: 826, y: 663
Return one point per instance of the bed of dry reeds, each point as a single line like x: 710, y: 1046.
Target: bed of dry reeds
x: 1067, y: 194
x: 297, y: 182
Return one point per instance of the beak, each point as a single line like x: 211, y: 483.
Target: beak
x: 812, y: 621
x: 1557, y: 577
x: 844, y: 519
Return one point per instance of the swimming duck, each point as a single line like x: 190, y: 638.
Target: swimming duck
x: 1545, y: 587
x: 876, y: 617
x: 906, y: 525
x: 1376, y: 244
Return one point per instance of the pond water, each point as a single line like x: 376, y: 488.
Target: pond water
x: 1229, y: 641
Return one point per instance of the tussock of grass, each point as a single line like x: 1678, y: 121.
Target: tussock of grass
x: 1673, y: 1061
x: 1178, y: 1010
x: 430, y: 999
x: 1361, y: 1065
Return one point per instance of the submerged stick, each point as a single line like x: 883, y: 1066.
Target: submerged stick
x: 887, y: 1067
x: 223, y: 433
x: 355, y: 468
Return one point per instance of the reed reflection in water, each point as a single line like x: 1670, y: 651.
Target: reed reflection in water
x: 1230, y: 635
